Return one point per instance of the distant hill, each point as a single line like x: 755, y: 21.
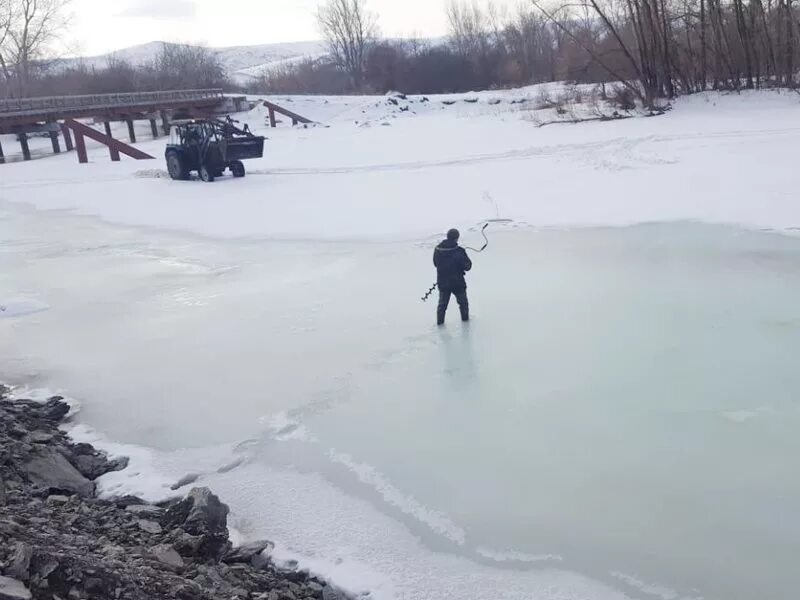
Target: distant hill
x: 241, y: 62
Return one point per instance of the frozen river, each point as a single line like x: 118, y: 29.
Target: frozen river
x: 620, y: 419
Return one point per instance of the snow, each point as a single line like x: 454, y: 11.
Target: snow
x: 618, y: 420
x: 434, y: 168
x: 16, y: 307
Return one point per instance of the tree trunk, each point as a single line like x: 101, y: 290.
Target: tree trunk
x: 789, y: 44
x: 744, y: 37
x: 703, y: 46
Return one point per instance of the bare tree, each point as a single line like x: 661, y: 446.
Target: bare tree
x: 6, y: 19
x: 181, y: 66
x: 29, y: 33
x: 349, y: 29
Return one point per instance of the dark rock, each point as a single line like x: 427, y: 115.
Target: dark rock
x: 19, y: 563
x: 185, y: 544
x: 201, y: 512
x: 166, y: 554
x: 49, y: 470
x: 55, y: 500
x: 150, y: 527
x: 12, y: 589
x: 55, y: 409
x: 93, y: 585
x: 331, y: 593
x: 124, y: 501
x: 39, y: 437
x: 59, y: 542
x: 46, y: 569
x: 246, y: 553
x: 145, y: 510
x: 93, y: 464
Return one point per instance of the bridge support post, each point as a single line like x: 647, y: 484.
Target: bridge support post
x: 272, y: 122
x: 80, y: 146
x: 2, y: 156
x: 165, y: 122
x: 131, y: 132
x: 113, y: 153
x: 54, y: 141
x: 67, y: 137
x: 154, y: 128
x: 26, y: 150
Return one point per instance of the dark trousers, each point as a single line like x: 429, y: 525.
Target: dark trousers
x: 444, y: 301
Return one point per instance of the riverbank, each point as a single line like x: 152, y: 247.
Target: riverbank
x: 59, y: 540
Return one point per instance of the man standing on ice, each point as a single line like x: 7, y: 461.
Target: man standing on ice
x: 451, y: 262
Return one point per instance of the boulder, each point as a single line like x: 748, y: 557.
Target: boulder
x: 96, y: 466
x: 166, y: 555
x: 48, y: 469
x: 150, y: 527
x: 12, y: 589
x: 199, y: 513
x: 19, y: 563
x: 40, y: 437
x: 55, y: 409
x: 248, y: 553
x: 57, y: 500
x: 203, y: 520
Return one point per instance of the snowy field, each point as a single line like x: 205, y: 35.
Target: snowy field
x: 618, y: 421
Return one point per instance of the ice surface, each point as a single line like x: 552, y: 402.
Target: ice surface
x: 590, y: 417
x: 618, y: 421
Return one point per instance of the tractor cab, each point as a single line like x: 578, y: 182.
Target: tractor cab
x: 209, y: 146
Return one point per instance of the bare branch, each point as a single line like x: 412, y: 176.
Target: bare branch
x: 349, y: 29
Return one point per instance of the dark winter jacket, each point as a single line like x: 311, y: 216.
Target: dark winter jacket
x: 451, y: 262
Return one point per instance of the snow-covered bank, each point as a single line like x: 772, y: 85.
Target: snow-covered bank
x: 714, y: 158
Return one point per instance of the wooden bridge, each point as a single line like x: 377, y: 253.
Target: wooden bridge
x: 18, y: 112
x: 54, y: 115
x: 58, y: 116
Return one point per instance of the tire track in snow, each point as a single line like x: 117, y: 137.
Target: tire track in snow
x: 626, y: 144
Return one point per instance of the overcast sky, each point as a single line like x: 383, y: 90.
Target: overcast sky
x: 103, y: 25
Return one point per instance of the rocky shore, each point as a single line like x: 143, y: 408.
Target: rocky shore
x: 58, y: 541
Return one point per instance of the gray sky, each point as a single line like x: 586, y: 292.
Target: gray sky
x: 103, y: 25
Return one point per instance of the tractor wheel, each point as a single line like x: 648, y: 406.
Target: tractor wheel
x: 206, y: 175
x: 237, y: 168
x: 176, y: 166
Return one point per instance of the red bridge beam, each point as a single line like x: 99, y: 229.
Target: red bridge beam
x: 115, y: 147
x: 274, y: 108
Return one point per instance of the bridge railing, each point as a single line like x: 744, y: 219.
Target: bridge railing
x: 16, y: 106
